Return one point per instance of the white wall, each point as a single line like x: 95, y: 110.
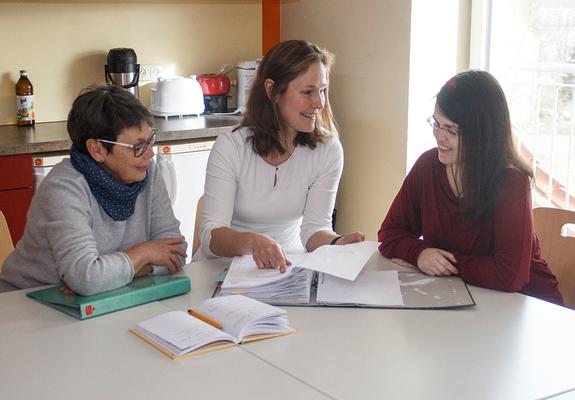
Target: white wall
x: 369, y: 92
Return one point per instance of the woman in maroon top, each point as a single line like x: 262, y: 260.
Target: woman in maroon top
x: 465, y: 207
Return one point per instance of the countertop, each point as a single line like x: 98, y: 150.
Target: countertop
x: 51, y: 137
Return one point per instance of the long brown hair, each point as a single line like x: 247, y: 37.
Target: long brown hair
x: 283, y: 63
x: 475, y: 101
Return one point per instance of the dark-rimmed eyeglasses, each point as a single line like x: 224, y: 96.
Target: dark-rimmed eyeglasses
x: 436, y: 126
x: 138, y: 148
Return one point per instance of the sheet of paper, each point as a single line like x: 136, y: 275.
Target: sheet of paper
x: 179, y: 332
x: 377, y: 288
x: 342, y: 261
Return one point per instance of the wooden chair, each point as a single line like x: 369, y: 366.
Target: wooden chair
x: 558, y: 250
x: 197, y: 225
x: 6, y: 245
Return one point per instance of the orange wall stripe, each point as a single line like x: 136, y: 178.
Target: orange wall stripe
x: 271, y: 24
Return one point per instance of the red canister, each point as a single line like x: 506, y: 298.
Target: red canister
x: 214, y: 85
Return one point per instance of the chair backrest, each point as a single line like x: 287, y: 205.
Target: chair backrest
x: 557, y: 250
x: 6, y: 245
x: 197, y: 225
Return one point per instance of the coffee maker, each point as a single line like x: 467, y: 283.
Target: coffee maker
x: 122, y: 69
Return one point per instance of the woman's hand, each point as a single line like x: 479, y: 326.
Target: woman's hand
x: 146, y: 270
x: 351, y: 238
x: 158, y: 252
x: 267, y: 253
x: 437, y: 262
x: 66, y: 290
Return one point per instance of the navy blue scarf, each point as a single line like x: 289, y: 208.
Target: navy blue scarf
x: 117, y: 199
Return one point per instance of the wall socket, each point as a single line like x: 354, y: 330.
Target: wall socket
x: 149, y: 72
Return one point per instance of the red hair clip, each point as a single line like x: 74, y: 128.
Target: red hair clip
x: 452, y: 82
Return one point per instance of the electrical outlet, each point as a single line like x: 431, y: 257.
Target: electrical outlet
x: 149, y: 72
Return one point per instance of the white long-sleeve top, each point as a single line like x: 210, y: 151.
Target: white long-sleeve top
x: 289, y: 202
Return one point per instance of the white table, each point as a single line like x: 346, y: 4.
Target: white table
x: 507, y: 347
x: 45, y: 354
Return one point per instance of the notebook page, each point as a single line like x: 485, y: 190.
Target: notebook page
x: 238, y: 313
x: 181, y: 331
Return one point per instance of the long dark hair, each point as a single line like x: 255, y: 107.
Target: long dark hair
x: 475, y: 101
x: 283, y: 63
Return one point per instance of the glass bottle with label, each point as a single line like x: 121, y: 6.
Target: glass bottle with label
x: 25, y: 100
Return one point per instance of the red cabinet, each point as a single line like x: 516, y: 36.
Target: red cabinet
x: 16, y: 191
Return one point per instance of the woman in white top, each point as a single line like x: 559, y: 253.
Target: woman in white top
x: 271, y: 183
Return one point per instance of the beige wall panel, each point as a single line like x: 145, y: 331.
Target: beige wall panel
x: 64, y: 46
x: 369, y: 92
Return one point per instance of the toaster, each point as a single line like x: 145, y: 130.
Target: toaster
x: 176, y: 96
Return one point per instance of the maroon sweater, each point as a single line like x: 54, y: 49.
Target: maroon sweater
x: 501, y: 254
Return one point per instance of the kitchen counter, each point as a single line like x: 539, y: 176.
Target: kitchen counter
x: 50, y: 137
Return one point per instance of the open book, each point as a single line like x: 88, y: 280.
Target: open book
x: 240, y: 319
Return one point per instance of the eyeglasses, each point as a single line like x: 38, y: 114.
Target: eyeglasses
x: 139, y: 148
x: 435, y: 125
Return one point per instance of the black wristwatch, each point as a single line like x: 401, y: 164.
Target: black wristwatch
x: 335, y: 239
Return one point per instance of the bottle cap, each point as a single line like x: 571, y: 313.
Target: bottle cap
x: 23, y: 72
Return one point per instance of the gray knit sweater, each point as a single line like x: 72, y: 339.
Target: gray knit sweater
x: 70, y: 238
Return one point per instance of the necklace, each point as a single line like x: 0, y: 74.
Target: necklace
x: 279, y: 162
x: 458, y: 192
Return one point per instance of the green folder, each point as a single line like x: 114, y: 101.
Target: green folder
x: 142, y: 290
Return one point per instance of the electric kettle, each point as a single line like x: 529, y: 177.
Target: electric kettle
x: 176, y: 96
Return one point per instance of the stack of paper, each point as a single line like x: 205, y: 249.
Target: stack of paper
x: 268, y: 285
x: 294, y: 286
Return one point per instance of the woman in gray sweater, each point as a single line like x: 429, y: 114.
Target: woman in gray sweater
x: 102, y: 217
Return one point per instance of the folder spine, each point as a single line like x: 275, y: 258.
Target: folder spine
x: 136, y: 297
x: 139, y: 291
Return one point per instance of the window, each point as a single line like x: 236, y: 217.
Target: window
x: 439, y: 49
x: 529, y: 46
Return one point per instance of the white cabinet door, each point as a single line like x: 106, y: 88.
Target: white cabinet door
x: 184, y: 170
x: 42, y: 165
